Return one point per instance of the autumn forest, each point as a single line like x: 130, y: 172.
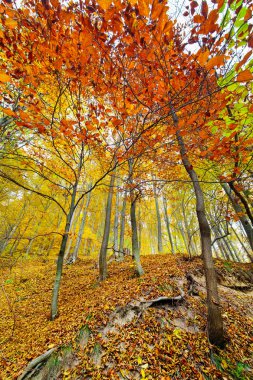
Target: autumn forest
x: 126, y: 169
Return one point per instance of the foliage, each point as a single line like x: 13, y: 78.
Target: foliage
x: 159, y: 343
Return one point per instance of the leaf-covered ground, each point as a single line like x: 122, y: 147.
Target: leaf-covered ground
x: 159, y: 343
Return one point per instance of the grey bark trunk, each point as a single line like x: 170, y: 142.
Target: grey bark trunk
x: 215, y: 323
x: 73, y: 224
x: 13, y: 229
x: 239, y: 211
x: 104, y: 245
x: 139, y: 228
x: 167, y: 222
x: 73, y: 257
x: 158, y: 218
x: 122, y: 223
x: 220, y: 244
x: 116, y: 226
x: 135, y: 244
x: 241, y: 242
x: 60, y: 260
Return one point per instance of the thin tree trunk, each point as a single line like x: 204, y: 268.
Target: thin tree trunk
x: 166, y: 219
x: 215, y: 323
x: 158, y: 217
x: 72, y: 230
x: 60, y: 259
x: 241, y: 242
x: 230, y: 246
x: 190, y: 247
x: 239, y: 211
x: 104, y: 245
x: 116, y: 225
x: 139, y: 228
x: 73, y: 257
x: 13, y: 229
x: 135, y: 244
x: 122, y: 223
x: 220, y: 244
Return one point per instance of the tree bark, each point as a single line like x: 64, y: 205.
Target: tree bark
x: 60, y: 260
x: 239, y: 211
x: 167, y: 222
x: 122, y: 223
x: 135, y: 244
x: 241, y: 242
x: 73, y: 257
x: 104, y: 245
x: 116, y: 226
x: 159, y: 222
x: 215, y: 323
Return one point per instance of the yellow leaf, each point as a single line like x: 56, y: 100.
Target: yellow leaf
x: 10, y: 23
x: 51, y: 345
x: 4, y: 77
x: 224, y: 364
x: 244, y: 76
x: 139, y: 360
x: 177, y: 333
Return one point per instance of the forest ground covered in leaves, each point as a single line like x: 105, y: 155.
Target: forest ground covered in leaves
x: 109, y: 334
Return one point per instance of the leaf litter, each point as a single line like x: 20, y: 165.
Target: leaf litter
x: 110, y: 328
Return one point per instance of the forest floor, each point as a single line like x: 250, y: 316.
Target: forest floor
x: 108, y: 330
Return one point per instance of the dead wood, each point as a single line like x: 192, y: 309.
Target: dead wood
x: 36, y: 363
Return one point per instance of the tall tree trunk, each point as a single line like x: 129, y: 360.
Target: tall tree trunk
x: 167, y: 222
x: 104, y: 245
x: 73, y: 224
x: 139, y: 228
x: 239, y: 211
x: 60, y: 259
x: 158, y: 218
x: 59, y: 265
x: 229, y: 245
x: 60, y: 216
x: 220, y: 244
x: 29, y: 247
x: 73, y: 257
x: 190, y: 246
x: 241, y: 242
x: 215, y: 323
x: 13, y: 229
x: 135, y: 244
x: 122, y: 223
x: 116, y: 225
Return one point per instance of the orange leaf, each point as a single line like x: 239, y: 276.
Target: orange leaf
x: 244, y: 76
x: 144, y: 7
x: 10, y: 23
x: 9, y: 112
x: 215, y: 61
x: 248, y: 15
x: 198, y: 19
x: 204, y: 9
x: 244, y: 60
x: 203, y: 57
x: 203, y: 134
x: 55, y: 3
x: 104, y: 4
x: 4, y: 77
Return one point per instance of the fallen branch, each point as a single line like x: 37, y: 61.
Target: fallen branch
x: 162, y: 301
x: 36, y: 362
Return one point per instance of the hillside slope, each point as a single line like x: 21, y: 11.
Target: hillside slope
x: 122, y: 328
